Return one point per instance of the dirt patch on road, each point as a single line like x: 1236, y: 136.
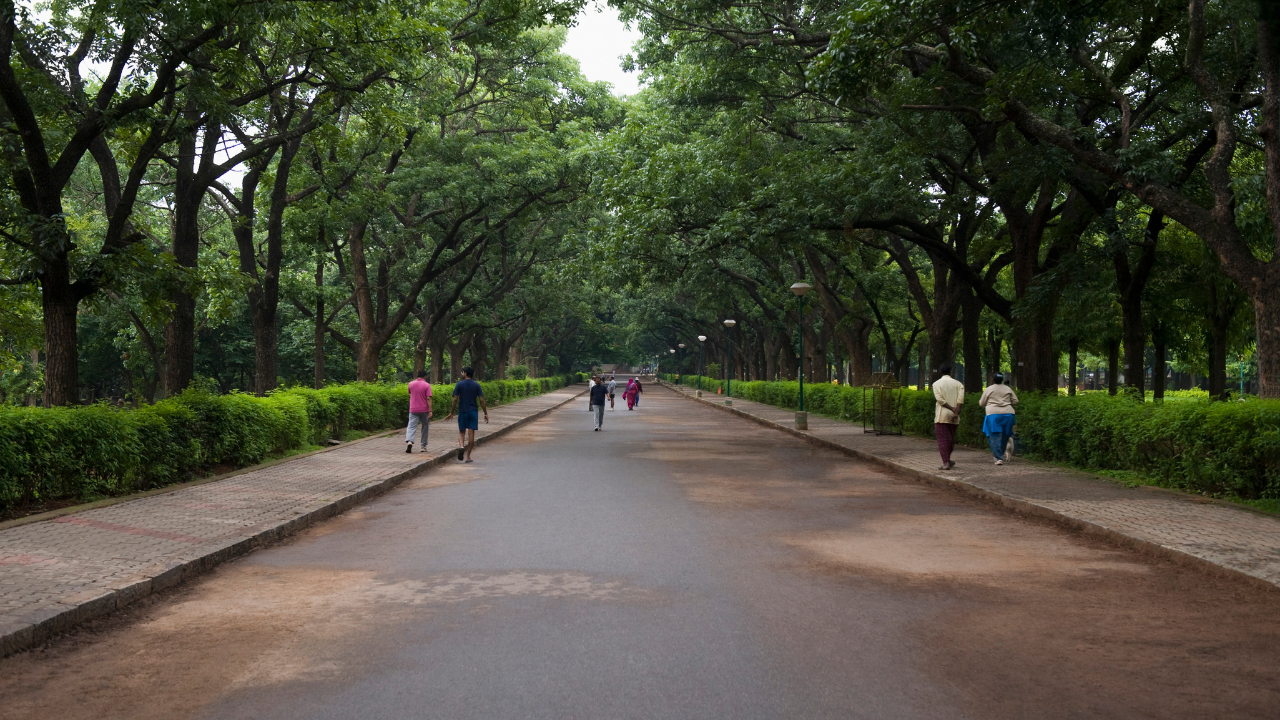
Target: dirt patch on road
x: 974, y: 547
x: 250, y: 626
x: 1169, y: 643
x: 1038, y: 621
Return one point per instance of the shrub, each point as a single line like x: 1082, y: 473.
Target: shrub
x: 83, y: 451
x: 517, y: 372
x: 1191, y: 443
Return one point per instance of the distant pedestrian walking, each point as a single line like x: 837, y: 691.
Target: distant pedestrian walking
x: 948, y: 394
x: 419, y: 411
x: 466, y: 393
x: 613, y: 387
x: 599, y: 394
x: 639, y: 389
x: 999, y: 400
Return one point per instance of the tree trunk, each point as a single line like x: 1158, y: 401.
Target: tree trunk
x: 367, y: 356
x: 1266, y: 308
x: 61, y: 354
x: 436, y: 349
x: 858, y: 346
x: 971, y: 313
x: 319, y: 338
x: 1158, y: 371
x: 1113, y: 365
x: 266, y: 340
x: 189, y: 189
x: 1218, y: 361
x: 997, y: 355
x: 922, y: 376
x: 772, y: 348
x: 1131, y: 285
x: 1075, y: 358
x: 788, y: 362
x: 479, y: 355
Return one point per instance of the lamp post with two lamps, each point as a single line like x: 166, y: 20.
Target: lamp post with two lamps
x: 801, y: 289
x: 728, y: 386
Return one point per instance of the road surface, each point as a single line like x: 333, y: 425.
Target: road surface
x: 683, y: 563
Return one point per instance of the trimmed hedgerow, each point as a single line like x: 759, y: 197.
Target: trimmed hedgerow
x: 98, y: 450
x: 1216, y: 448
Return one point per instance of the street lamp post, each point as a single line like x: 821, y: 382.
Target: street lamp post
x: 702, y: 339
x: 802, y: 418
x: 728, y: 387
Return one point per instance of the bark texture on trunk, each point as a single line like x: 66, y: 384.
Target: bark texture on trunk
x: 62, y: 357
x: 972, y: 313
x: 1266, y: 312
x: 318, y: 349
x: 1113, y: 365
x: 1217, y: 361
x: 1158, y: 370
x: 1074, y: 372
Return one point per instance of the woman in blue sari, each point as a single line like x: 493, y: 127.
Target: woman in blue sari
x: 999, y: 400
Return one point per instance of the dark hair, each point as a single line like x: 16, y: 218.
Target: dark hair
x: 944, y: 369
x: 422, y: 373
x: 467, y: 371
x: 999, y: 378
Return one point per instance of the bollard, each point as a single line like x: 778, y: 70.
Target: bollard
x: 802, y: 420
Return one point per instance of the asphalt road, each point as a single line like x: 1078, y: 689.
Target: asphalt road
x: 683, y: 563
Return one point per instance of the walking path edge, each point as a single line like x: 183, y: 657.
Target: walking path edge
x: 1266, y: 578
x: 41, y: 624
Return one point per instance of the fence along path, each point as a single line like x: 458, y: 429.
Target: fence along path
x: 1187, y: 528
x: 56, y: 573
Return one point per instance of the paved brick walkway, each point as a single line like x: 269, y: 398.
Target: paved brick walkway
x: 56, y: 573
x: 1174, y: 524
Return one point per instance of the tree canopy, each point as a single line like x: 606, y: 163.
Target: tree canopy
x: 247, y: 194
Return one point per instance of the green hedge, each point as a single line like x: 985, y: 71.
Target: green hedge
x: 85, y: 451
x: 1227, y: 449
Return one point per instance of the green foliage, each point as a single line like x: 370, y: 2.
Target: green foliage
x: 518, y: 372
x: 1226, y: 449
x: 82, y: 451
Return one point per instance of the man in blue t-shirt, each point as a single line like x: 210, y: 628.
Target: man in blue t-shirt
x: 465, y: 395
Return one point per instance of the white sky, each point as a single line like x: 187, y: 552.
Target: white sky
x: 598, y: 42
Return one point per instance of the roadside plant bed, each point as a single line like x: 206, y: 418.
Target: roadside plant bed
x: 75, y: 452
x: 1222, y: 449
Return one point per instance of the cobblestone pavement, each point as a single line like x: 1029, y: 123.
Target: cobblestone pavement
x: 59, y: 572
x: 1222, y: 535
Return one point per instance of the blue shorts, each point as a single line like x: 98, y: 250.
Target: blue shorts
x: 469, y: 420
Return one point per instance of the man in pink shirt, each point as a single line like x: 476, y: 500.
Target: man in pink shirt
x: 419, y: 410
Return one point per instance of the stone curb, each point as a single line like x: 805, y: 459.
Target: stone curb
x: 1015, y: 505
x: 44, y: 624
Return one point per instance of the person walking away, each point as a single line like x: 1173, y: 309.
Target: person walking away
x: 948, y: 394
x: 591, y: 382
x: 613, y: 387
x: 419, y: 411
x: 465, y: 395
x: 999, y: 400
x: 599, y: 392
x: 639, y: 389
x: 630, y: 394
